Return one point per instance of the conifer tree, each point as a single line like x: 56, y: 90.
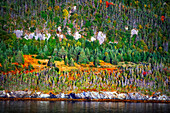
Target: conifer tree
x: 82, y: 57
x: 62, y: 52
x: 71, y: 63
x: 96, y: 61
x: 19, y: 57
x: 25, y: 49
x: 66, y: 61
x: 87, y: 52
x: 46, y: 50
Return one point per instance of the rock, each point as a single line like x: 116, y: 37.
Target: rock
x: 72, y: 96
x: 20, y: 94
x: 132, y: 96
x: 134, y: 32
x: 44, y: 96
x: 63, y: 95
x: 1, y: 92
x: 58, y: 96
x: 115, y: 95
x: 102, y: 96
x: 108, y: 95
x: 18, y: 33
x: 3, y: 96
x: 93, y: 39
x: 163, y: 97
x: 52, y: 95
x: 95, y: 95
x: 154, y: 98
x: 101, y: 37
x: 77, y: 35
x: 34, y: 95
x: 122, y: 96
x: 139, y: 96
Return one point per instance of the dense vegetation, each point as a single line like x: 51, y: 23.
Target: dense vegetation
x: 151, y: 45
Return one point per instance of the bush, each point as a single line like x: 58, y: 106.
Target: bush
x: 30, y: 67
x: 57, y: 59
x: 39, y: 62
x: 57, y: 69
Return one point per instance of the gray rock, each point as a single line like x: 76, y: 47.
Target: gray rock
x: 44, y: 96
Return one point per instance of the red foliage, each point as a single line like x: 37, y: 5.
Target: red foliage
x: 144, y: 73
x: 162, y: 18
x: 107, y: 4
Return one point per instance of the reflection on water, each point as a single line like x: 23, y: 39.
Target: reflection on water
x: 80, y: 107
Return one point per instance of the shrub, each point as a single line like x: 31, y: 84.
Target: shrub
x: 39, y: 62
x: 57, y: 69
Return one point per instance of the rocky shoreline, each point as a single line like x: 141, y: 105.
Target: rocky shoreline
x: 84, y: 96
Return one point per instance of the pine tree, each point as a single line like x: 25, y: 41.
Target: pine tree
x: 25, y: 49
x: 71, y: 63
x: 82, y: 57
x: 96, y: 61
x: 19, y: 57
x: 55, y: 52
x: 62, y: 52
x: 91, y: 59
x: 107, y: 59
x: 87, y: 52
x: 66, y: 61
x: 46, y: 50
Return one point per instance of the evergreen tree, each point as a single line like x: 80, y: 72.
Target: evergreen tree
x: 46, y: 50
x: 62, y: 52
x: 55, y: 52
x: 19, y: 57
x: 91, y: 59
x: 96, y: 61
x: 87, y: 52
x: 25, y: 49
x: 66, y: 61
x: 82, y: 57
x: 71, y: 63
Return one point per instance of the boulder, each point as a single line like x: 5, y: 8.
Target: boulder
x: 134, y: 32
x: 44, y: 96
x: 77, y: 35
x: 101, y: 37
x: 72, y: 96
x: 52, y: 95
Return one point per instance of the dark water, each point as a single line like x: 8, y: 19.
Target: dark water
x: 81, y: 107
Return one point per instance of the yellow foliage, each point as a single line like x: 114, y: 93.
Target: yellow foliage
x: 78, y: 43
x: 140, y: 27
x: 49, y: 8
x: 100, y: 1
x: 156, y: 16
x: 65, y: 13
x: 106, y: 53
x: 148, y: 6
x: 56, y: 8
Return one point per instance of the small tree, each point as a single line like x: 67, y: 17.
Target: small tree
x: 25, y: 49
x: 96, y: 61
x: 55, y: 52
x: 19, y: 57
x: 87, y: 52
x: 91, y: 59
x: 46, y: 50
x: 71, y: 63
x: 62, y: 52
x: 66, y: 61
x: 82, y: 57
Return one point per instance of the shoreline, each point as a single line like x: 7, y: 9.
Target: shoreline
x: 85, y: 100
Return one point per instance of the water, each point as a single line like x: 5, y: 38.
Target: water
x: 81, y: 107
